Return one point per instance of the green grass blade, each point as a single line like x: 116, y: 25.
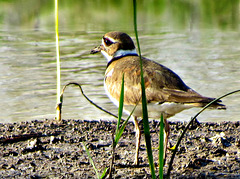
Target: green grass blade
x: 121, y: 102
x: 144, y: 101
x: 104, y: 173
x: 90, y: 159
x: 120, y: 110
x: 119, y: 133
x: 135, y: 27
x: 161, y: 148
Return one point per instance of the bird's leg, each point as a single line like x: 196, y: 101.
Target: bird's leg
x: 166, y: 134
x: 138, y: 138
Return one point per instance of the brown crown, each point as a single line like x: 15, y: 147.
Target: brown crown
x: 125, y: 41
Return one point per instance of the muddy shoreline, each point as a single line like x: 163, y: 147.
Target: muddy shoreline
x: 47, y: 149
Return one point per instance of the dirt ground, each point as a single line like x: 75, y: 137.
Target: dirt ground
x: 47, y: 149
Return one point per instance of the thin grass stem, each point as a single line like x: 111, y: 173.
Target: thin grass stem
x: 117, y: 136
x: 119, y: 130
x: 144, y: 101
x: 161, y: 148
x: 186, y: 128
x: 121, y: 102
x: 59, y: 106
x: 91, y: 160
x: 90, y: 101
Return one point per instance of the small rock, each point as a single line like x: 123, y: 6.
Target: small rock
x: 4, y: 166
x: 220, y: 152
x: 32, y: 144
x: 220, y: 139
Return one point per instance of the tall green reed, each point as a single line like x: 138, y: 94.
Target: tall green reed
x: 161, y: 148
x: 144, y: 101
x: 119, y: 130
x: 59, y: 104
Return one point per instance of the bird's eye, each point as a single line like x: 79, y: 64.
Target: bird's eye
x: 107, y: 42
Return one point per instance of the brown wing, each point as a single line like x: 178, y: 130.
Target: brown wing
x: 162, y: 84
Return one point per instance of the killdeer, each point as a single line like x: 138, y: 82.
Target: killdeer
x: 166, y: 93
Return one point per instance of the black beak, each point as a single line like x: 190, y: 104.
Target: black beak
x: 96, y: 49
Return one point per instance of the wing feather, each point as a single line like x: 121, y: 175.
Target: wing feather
x: 162, y: 84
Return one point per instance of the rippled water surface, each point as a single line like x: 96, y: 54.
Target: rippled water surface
x: 196, y: 39
x: 207, y: 61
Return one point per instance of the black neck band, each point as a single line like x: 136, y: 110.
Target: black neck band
x: 116, y: 58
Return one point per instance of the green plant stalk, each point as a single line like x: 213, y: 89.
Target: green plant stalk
x: 144, y: 101
x: 186, y: 128
x: 119, y: 130
x: 117, y: 136
x: 121, y: 102
x: 104, y: 173
x: 161, y: 148
x: 119, y: 133
x: 90, y: 159
x: 59, y: 106
x: 116, y: 139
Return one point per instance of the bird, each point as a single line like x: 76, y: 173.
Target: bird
x: 166, y: 93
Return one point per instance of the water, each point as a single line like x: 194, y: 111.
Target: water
x: 206, y: 59
x: 207, y: 63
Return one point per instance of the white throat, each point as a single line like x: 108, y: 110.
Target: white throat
x: 119, y: 53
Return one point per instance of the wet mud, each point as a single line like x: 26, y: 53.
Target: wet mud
x: 48, y: 149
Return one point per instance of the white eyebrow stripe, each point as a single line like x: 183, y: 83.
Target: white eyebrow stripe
x: 111, y: 39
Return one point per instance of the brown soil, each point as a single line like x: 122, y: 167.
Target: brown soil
x: 47, y: 149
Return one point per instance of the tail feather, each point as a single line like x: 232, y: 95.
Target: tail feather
x: 216, y: 105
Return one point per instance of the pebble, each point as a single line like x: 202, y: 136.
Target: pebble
x: 208, y: 150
